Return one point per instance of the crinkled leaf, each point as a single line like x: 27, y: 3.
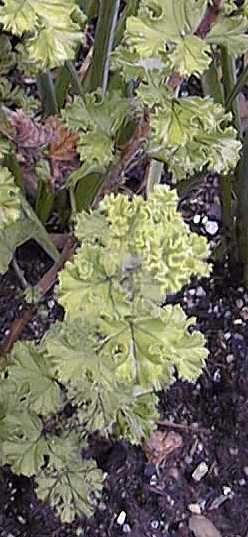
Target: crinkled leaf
x: 71, y: 347
x: 192, y: 133
x: 165, y: 28
x: 145, y: 349
x: 31, y: 371
x: 231, y: 33
x: 98, y: 148
x: 10, y: 201
x: 68, y: 482
x: 53, y: 33
x: 145, y: 245
x: 25, y: 447
x: 98, y: 121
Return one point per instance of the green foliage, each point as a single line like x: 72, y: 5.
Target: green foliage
x: 115, y: 347
x: 10, y: 202
x: 18, y: 222
x: 52, y: 34
x: 98, y: 121
x: 190, y: 133
x: 165, y: 29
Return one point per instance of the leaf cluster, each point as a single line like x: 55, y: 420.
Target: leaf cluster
x: 114, y: 349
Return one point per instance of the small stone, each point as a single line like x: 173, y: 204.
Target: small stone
x: 126, y: 528
x: 121, y: 518
x: 194, y: 508
x: 239, y: 303
x: 197, y: 219
x: 217, y: 376
x: 242, y: 482
x: 238, y: 321
x: 227, y: 491
x: 155, y: 524
x: 200, y: 471
x: 153, y: 480
x: 212, y: 227
x: 233, y: 451
x: 21, y: 520
x: 230, y: 358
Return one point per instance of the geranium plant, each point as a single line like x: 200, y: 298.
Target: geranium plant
x: 68, y: 151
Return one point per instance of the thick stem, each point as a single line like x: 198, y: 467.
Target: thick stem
x: 211, y: 84
x: 154, y: 175
x: 229, y: 81
x: 105, y: 30
x: 47, y: 94
x: 242, y: 80
x: 131, y: 8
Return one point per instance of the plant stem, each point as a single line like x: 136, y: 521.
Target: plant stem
x: 47, y: 94
x: 237, y: 88
x: 229, y: 81
x: 44, y: 201
x: 154, y: 175
x: 212, y: 85
x: 62, y: 84
x: 20, y: 273
x: 12, y: 163
x: 131, y: 8
x: 106, y: 24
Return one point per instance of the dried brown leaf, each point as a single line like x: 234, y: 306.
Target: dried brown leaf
x: 29, y: 134
x: 64, y: 143
x: 160, y: 445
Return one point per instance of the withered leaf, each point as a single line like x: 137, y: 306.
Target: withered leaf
x: 160, y: 445
x: 64, y: 144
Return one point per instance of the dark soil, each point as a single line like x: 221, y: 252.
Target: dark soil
x: 139, y: 499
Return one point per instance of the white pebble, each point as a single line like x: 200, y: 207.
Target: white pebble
x: 200, y: 471
x: 211, y: 227
x: 194, y: 508
x: 197, y: 219
x: 121, y: 518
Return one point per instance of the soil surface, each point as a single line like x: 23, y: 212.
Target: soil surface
x: 201, y: 489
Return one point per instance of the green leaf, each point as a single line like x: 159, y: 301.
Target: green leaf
x: 10, y: 202
x: 25, y: 447
x: 19, y: 222
x: 53, y: 35
x: 68, y: 482
x: 30, y: 370
x: 145, y: 349
x: 71, y: 347
x: 98, y: 121
x: 192, y: 133
x: 164, y: 29
x: 114, y: 408
x: 230, y: 32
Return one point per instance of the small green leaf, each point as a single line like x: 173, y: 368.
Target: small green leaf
x: 30, y: 370
x: 69, y: 482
